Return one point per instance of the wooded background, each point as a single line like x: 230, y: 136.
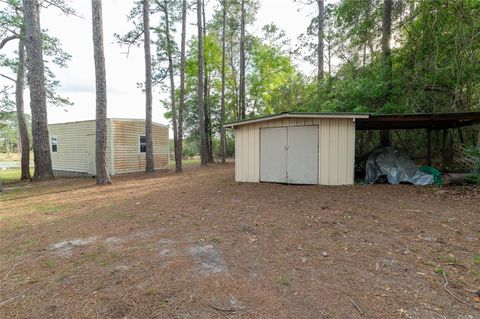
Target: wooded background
x: 379, y: 56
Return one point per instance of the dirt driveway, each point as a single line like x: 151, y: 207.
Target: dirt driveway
x: 199, y: 245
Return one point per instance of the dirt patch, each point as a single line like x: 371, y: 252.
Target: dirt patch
x: 65, y: 248
x: 199, y: 245
x: 209, y: 259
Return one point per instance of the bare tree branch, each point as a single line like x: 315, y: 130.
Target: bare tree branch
x: 131, y: 42
x: 7, y: 39
x: 67, y: 10
x: 7, y: 77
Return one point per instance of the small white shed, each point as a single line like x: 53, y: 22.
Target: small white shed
x: 296, y: 148
x: 72, y: 147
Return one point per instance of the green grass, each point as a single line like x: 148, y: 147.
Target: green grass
x: 476, y: 259
x: 216, y: 240
x: 185, y: 162
x: 282, y: 280
x: 12, y: 175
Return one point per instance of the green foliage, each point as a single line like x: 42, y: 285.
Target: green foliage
x: 9, y: 132
x: 191, y: 148
x: 435, y: 54
x: 11, y: 24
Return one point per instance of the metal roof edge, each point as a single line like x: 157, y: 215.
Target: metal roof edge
x: 113, y: 119
x: 297, y: 115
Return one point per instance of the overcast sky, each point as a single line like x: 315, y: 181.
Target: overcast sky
x: 125, y: 100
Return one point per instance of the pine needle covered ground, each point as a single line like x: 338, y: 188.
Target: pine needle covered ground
x: 199, y: 245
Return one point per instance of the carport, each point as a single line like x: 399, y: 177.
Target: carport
x: 427, y: 121
x: 319, y: 148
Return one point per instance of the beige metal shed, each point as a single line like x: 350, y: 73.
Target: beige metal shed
x: 72, y: 147
x: 296, y: 148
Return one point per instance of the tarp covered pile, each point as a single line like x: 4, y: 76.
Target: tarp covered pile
x: 396, y: 166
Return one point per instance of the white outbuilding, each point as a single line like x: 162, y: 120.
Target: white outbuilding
x: 72, y: 147
x: 296, y: 148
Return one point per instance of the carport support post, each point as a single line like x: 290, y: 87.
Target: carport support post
x: 477, y: 167
x: 478, y: 139
x: 444, y: 149
x: 385, y: 138
x: 429, y: 147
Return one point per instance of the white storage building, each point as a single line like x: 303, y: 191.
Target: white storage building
x: 72, y: 147
x: 296, y: 148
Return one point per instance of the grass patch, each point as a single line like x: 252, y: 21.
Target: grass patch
x: 151, y: 291
x: 475, y: 274
x: 429, y: 263
x: 185, y: 162
x: 12, y: 175
x: 216, y: 240
x: 450, y: 259
x: 476, y: 260
x: 48, y: 264
x: 282, y: 280
x: 439, y: 271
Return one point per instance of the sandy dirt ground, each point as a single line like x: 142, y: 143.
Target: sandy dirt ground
x: 199, y: 245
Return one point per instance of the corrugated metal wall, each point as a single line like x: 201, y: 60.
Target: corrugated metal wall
x: 72, y: 152
x: 127, y: 157
x: 336, y: 149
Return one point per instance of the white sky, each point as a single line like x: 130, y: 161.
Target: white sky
x: 125, y: 100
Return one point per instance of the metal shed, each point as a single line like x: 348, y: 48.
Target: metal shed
x: 72, y: 147
x: 296, y: 148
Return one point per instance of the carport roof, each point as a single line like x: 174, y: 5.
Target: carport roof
x: 430, y: 121
x: 298, y: 115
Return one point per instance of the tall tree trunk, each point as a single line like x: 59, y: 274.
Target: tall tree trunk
x: 22, y: 125
x: 242, y: 62
x: 223, y: 143
x: 321, y: 24
x: 102, y: 176
x: 235, y: 88
x: 208, y: 122
x: 329, y: 48
x: 366, y: 35
x: 181, y: 106
x: 386, y: 60
x: 386, y: 51
x: 178, y: 157
x: 364, y: 63
x: 206, y: 92
x: 36, y: 80
x: 150, y: 161
x: 201, y: 102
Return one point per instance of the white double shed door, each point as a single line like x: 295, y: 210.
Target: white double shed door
x: 289, y: 154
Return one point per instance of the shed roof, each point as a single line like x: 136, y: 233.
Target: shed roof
x: 111, y: 118
x: 338, y: 115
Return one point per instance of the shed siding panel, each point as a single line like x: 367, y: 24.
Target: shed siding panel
x: 336, y: 148
x: 324, y: 141
x: 342, y: 151
x: 237, y: 154
x: 350, y: 163
x: 127, y: 156
x: 72, y: 152
x: 256, y: 172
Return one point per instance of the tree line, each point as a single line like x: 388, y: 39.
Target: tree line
x: 380, y: 56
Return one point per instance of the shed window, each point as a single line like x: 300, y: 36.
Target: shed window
x: 54, y: 142
x: 142, y: 144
